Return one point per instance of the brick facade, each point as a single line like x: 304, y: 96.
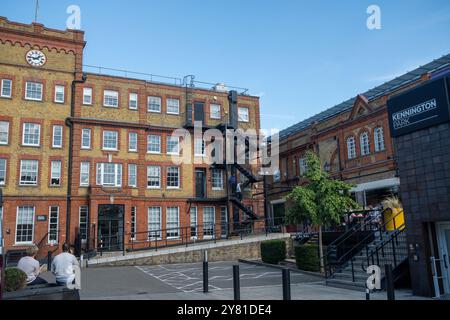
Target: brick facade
x: 64, y: 52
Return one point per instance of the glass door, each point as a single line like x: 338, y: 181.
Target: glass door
x: 444, y: 251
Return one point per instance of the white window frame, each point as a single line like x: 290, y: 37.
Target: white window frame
x: 169, y: 104
x: 85, y: 168
x: 83, y: 222
x: 167, y: 177
x: 88, y: 130
x: 150, y: 100
x: 149, y: 137
x: 112, y: 95
x: 378, y: 134
x: 55, y: 174
x: 3, y: 86
x: 132, y: 178
x: 100, y: 174
x: 62, y: 90
x: 205, y: 223
x: 215, y: 179
x: 29, y: 90
x: 105, y: 132
x: 364, y: 144
x: 351, y: 147
x: 193, y: 223
x: 247, y: 114
x: 215, y: 114
x: 5, y: 133
x: 54, y: 135
x: 17, y: 224
x: 135, y: 142
x: 25, y: 183
x: 133, y: 97
x: 150, y: 168
x: 25, y: 124
x: 174, y: 232
x: 52, y: 225
x: 197, y: 147
x: 154, y: 233
x: 87, y: 92
x: 3, y: 171
x: 170, y: 150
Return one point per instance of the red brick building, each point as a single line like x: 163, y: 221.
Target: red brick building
x: 353, y: 142
x: 88, y: 157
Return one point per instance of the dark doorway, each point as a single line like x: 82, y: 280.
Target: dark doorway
x: 110, y: 227
x: 200, y: 183
x: 199, y: 111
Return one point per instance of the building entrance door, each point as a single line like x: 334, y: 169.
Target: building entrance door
x: 444, y: 251
x: 110, y: 227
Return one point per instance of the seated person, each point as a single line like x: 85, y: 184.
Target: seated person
x: 30, y: 266
x: 62, y: 266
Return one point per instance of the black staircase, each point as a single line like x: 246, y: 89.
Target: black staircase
x: 345, y: 266
x: 249, y: 212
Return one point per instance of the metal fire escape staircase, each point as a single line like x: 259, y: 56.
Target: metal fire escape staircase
x: 367, y: 243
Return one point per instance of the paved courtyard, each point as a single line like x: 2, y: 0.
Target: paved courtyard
x: 184, y: 282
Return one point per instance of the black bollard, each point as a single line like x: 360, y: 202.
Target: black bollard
x: 286, y: 284
x: 205, y: 272
x: 236, y: 285
x: 367, y: 294
x: 49, y: 260
x: 389, y: 278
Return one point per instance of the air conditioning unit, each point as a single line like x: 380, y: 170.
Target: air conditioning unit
x: 221, y: 87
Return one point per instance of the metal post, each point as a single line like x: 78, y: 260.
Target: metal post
x: 49, y: 260
x: 236, y: 285
x: 353, y: 270
x: 205, y: 272
x: 389, y: 282
x: 437, y: 293
x: 367, y: 293
x: 286, y: 284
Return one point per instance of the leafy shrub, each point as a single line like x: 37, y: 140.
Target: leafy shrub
x: 15, y: 279
x: 273, y: 251
x: 307, y: 257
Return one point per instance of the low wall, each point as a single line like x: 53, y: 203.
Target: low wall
x: 248, y: 248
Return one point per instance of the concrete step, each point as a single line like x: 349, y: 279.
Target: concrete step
x: 348, y: 276
x: 343, y: 284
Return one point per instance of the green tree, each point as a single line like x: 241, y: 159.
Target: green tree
x: 321, y: 202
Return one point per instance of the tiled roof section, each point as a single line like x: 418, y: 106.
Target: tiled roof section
x: 436, y: 66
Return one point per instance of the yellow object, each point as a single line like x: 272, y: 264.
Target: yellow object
x: 394, y: 223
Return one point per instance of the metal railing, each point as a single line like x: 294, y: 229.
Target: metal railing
x: 334, y: 264
x: 187, y: 235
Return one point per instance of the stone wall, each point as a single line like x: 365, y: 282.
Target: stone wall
x: 224, y: 251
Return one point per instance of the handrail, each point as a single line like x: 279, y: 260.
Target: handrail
x: 140, y: 240
x: 382, y: 245
x: 353, y: 229
x: 368, y: 236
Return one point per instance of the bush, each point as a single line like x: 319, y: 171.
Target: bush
x: 15, y: 279
x: 307, y: 257
x: 273, y: 251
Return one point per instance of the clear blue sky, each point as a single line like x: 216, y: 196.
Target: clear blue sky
x: 301, y: 57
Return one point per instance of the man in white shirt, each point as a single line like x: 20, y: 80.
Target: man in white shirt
x: 30, y: 266
x: 62, y: 266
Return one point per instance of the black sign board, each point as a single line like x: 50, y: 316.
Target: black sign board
x: 421, y: 107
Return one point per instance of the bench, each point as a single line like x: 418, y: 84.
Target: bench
x: 49, y: 291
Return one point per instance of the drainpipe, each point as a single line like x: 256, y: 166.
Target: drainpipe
x: 70, y: 164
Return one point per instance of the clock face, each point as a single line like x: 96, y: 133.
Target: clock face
x: 36, y: 58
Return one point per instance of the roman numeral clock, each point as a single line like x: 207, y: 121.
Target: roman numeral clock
x: 36, y: 58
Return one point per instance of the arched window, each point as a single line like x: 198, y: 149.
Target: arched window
x: 351, y: 147
x: 379, y: 139
x: 364, y: 144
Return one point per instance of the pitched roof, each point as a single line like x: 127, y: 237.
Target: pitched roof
x: 436, y: 66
